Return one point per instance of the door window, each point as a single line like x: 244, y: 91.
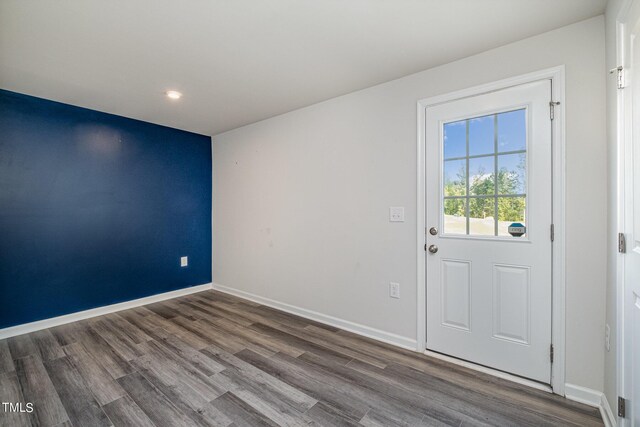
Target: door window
x: 484, y: 174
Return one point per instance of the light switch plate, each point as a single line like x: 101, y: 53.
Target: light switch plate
x: 394, y: 290
x: 184, y: 261
x: 396, y: 214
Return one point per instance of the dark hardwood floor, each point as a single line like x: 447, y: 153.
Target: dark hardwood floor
x: 209, y: 359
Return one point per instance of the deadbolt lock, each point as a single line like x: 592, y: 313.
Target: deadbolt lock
x: 433, y: 231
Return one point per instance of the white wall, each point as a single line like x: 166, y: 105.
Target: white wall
x: 301, y: 200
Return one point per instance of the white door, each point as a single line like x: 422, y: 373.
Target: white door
x: 631, y: 228
x: 488, y: 163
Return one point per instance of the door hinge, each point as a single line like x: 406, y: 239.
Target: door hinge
x: 552, y: 109
x: 553, y: 232
x: 622, y: 407
x: 551, y: 353
x: 622, y: 243
x: 619, y: 72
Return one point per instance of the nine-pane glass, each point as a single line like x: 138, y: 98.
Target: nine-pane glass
x: 485, y: 174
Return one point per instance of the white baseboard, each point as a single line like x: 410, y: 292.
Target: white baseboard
x: 608, y: 418
x: 594, y: 398
x: 584, y: 395
x: 356, y: 328
x: 99, y: 311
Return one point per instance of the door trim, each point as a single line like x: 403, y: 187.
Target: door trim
x: 627, y: 14
x: 557, y: 77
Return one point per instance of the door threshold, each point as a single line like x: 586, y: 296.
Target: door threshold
x: 490, y: 371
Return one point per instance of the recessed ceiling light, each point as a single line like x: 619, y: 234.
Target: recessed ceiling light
x: 173, y: 94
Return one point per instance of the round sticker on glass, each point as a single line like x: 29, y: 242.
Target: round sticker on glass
x: 517, y: 229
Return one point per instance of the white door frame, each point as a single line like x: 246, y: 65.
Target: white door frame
x: 556, y: 75
x: 624, y: 145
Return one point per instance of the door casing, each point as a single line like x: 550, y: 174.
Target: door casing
x: 629, y: 14
x: 557, y: 76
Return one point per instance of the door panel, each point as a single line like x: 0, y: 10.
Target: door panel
x: 488, y: 163
x: 456, y: 286
x: 511, y: 303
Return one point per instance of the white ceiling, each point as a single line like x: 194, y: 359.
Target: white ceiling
x: 240, y: 61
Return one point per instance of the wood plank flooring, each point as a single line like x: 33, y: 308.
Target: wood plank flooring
x: 210, y: 359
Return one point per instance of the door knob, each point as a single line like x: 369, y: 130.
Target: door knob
x: 433, y: 249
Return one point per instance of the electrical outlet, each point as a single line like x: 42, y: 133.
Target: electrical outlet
x: 396, y: 214
x: 607, y: 337
x: 184, y: 261
x: 394, y: 290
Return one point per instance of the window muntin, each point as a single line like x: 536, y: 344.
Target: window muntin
x: 484, y: 171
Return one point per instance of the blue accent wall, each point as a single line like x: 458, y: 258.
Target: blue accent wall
x: 96, y: 209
